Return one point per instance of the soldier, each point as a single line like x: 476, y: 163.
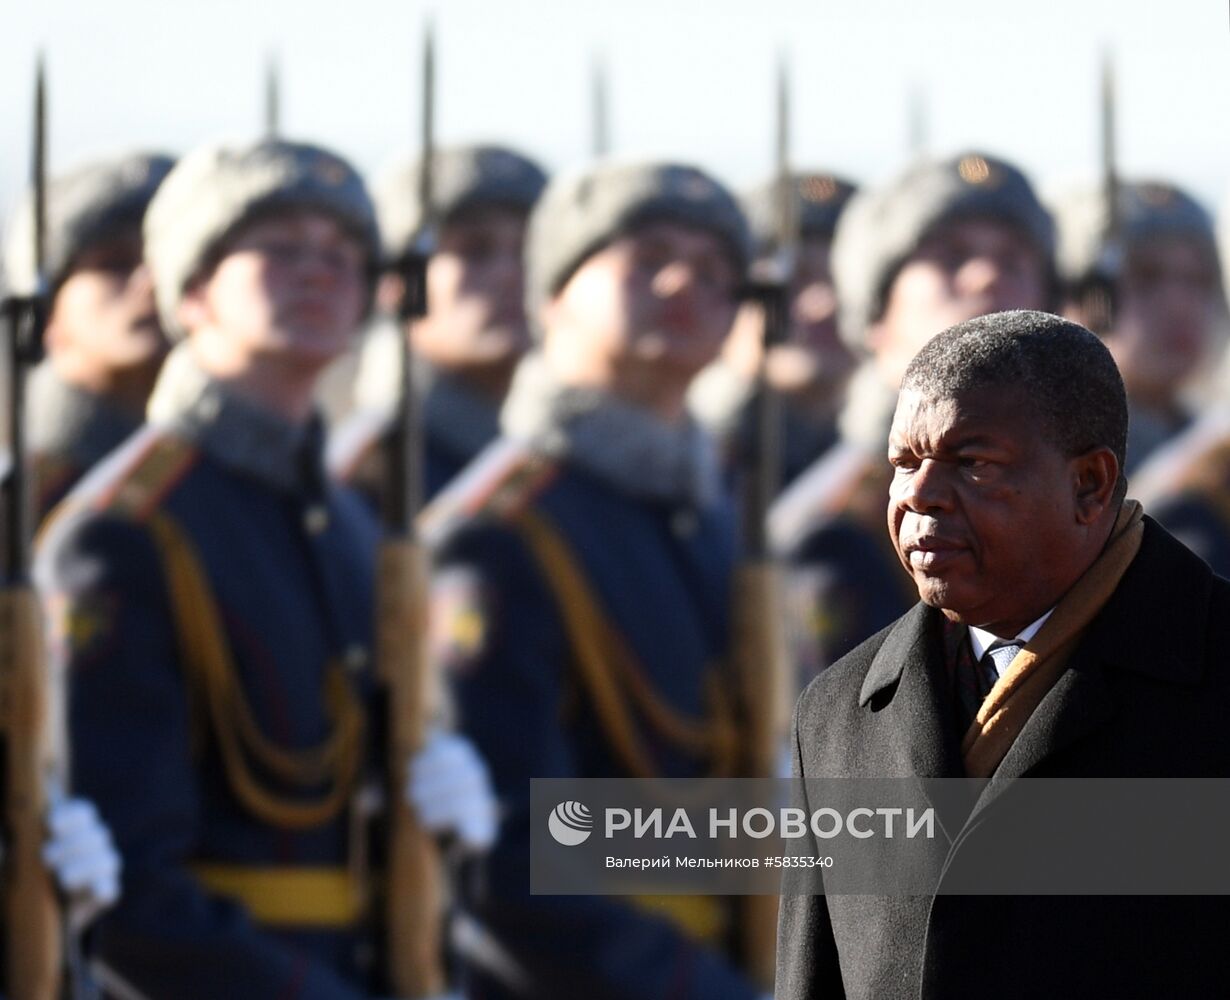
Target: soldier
x: 809, y: 371
x: 103, y: 338
x: 562, y: 551
x: 945, y: 241
x: 210, y: 592
x: 1186, y: 483
x: 475, y: 330
x: 1168, y: 298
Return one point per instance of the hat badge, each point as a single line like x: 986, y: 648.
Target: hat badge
x: 976, y: 170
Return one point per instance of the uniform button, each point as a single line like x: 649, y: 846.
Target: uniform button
x: 355, y: 658
x: 315, y: 519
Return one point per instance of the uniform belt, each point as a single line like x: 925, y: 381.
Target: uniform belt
x: 702, y: 918
x: 288, y: 897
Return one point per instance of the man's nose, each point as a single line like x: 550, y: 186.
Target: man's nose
x: 980, y: 274
x: 927, y: 489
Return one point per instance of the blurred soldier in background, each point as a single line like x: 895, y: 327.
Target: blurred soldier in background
x: 103, y: 339
x: 944, y: 242
x: 563, y: 551
x: 1186, y: 484
x: 809, y: 371
x: 1167, y: 296
x: 475, y: 330
x: 210, y: 593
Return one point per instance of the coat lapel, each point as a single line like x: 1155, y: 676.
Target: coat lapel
x: 910, y: 697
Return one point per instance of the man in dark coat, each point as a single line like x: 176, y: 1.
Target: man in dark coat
x: 1007, y: 509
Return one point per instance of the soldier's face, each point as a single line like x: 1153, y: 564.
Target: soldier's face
x: 1169, y: 305
x: 104, y: 311
x: 647, y: 311
x: 963, y: 268
x: 813, y: 353
x: 475, y: 292
x: 993, y: 522
x: 291, y: 286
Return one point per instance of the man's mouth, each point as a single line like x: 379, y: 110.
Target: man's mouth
x: 932, y: 553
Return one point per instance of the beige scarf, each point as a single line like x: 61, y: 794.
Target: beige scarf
x: 1036, y: 668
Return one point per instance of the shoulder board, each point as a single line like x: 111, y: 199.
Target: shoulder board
x: 502, y: 481
x: 354, y: 440
x: 824, y: 491
x: 135, y: 479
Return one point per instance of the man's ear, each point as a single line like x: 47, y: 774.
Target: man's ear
x: 1095, y: 475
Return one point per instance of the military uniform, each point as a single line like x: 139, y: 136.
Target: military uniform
x: 70, y: 427
x: 210, y: 593
x: 582, y: 589
x: 458, y: 421
x: 71, y: 431
x: 603, y: 526
x: 1185, y: 485
x: 843, y: 581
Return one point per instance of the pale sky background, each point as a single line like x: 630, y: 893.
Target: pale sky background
x: 689, y: 79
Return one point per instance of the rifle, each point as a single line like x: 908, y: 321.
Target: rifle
x: 273, y: 97
x: 1097, y: 293
x: 32, y: 704
x: 759, y: 648
x: 415, y: 885
x: 600, y: 108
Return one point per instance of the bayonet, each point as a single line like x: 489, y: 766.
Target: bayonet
x: 600, y: 108
x: 273, y: 97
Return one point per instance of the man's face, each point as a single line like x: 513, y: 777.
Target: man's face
x: 648, y: 310
x: 292, y: 285
x: 474, y: 292
x: 104, y: 310
x: 1169, y: 304
x: 813, y: 353
x: 963, y: 268
x: 986, y: 514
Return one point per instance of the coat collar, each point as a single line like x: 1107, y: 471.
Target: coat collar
x: 1124, y: 636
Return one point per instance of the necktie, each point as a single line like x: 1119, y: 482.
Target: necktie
x: 996, y: 659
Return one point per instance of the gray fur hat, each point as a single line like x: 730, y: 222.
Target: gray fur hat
x: 580, y: 213
x: 83, y: 207
x: 216, y: 190
x: 819, y: 200
x: 1146, y: 209
x: 881, y: 228
x: 462, y: 178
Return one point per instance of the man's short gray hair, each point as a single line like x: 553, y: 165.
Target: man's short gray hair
x: 1064, y: 370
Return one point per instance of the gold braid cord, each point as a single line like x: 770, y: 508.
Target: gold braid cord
x: 218, y: 694
x: 614, y: 680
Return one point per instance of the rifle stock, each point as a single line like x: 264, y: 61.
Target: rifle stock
x: 760, y: 654
x: 415, y: 886
x: 33, y: 946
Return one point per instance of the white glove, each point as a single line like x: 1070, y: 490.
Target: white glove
x: 82, y: 858
x: 450, y: 789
